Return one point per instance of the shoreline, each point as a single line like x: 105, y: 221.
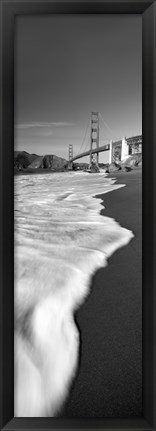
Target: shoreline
x: 51, y: 283
x: 109, y: 384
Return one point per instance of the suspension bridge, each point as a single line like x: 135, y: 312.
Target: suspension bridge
x: 118, y: 149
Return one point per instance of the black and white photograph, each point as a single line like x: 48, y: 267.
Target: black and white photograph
x: 78, y: 216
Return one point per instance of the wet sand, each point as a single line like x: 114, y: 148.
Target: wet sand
x: 109, y: 380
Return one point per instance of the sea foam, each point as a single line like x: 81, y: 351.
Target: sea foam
x: 61, y: 239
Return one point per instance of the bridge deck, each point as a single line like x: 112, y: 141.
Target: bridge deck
x: 132, y: 140
x: 94, y: 151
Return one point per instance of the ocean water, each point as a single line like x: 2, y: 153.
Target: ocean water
x: 60, y: 241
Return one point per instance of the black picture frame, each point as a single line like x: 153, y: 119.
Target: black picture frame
x: 9, y: 10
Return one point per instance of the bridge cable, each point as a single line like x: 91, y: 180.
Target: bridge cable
x: 107, y: 126
x: 87, y: 144
x: 88, y: 122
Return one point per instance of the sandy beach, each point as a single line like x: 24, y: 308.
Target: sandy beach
x: 109, y: 380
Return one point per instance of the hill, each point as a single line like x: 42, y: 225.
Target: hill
x: 24, y: 161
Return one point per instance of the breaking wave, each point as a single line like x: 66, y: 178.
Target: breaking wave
x: 60, y: 241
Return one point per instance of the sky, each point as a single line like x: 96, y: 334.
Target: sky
x: 67, y: 66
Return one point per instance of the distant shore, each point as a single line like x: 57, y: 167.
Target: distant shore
x: 109, y: 380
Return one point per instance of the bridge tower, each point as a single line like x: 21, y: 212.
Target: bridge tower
x: 94, y: 139
x: 70, y: 155
x: 70, y: 151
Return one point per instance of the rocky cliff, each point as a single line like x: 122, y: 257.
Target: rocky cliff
x: 24, y: 160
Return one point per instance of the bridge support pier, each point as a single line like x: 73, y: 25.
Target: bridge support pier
x: 70, y: 165
x: 110, y: 152
x: 124, y: 149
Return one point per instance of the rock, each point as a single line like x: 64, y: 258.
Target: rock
x: 132, y: 161
x: 126, y: 168
x: 94, y: 169
x: 80, y: 166
x: 113, y: 167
